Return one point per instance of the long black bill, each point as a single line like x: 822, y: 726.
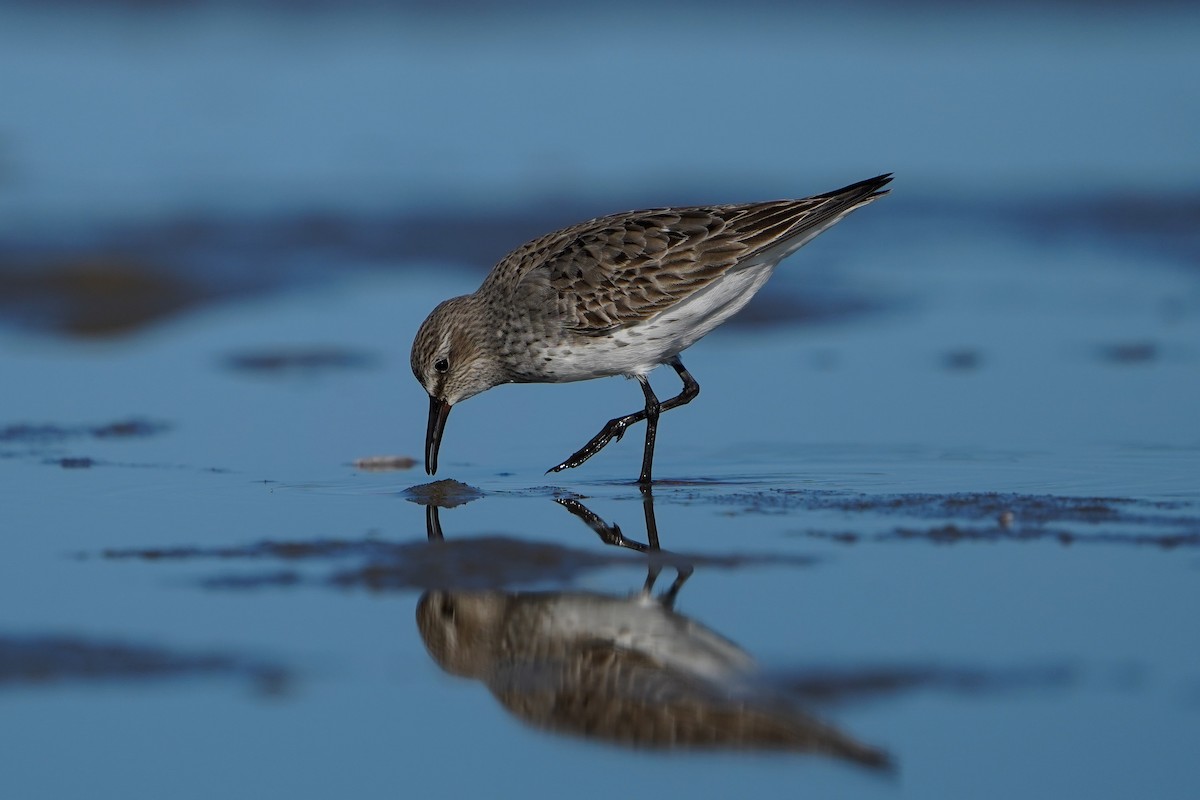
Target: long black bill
x: 439, y: 410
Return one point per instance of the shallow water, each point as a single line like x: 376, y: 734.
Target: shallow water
x: 939, y: 496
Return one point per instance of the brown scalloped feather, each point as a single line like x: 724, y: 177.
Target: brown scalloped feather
x: 622, y: 269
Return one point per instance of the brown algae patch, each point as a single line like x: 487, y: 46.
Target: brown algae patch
x: 93, y: 296
x: 481, y: 562
x: 834, y: 685
x: 42, y: 434
x: 960, y: 534
x: 1128, y: 353
x: 308, y: 360
x: 961, y: 360
x: 82, y: 462
x: 43, y: 660
x: 446, y: 493
x: 987, y: 516
x: 44, y: 441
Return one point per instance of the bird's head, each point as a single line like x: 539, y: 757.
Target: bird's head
x: 462, y: 630
x: 452, y: 359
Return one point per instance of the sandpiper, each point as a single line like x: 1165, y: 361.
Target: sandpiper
x: 628, y: 670
x: 617, y: 295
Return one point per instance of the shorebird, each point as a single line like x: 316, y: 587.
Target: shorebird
x: 626, y: 670
x: 617, y: 295
x: 623, y: 668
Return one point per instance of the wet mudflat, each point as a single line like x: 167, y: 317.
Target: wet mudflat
x: 932, y: 528
x: 877, y: 572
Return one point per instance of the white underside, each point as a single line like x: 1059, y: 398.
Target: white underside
x: 638, y: 349
x: 641, y: 624
x: 643, y: 347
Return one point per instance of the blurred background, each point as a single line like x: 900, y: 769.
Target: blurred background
x: 173, y: 153
x: 943, y: 476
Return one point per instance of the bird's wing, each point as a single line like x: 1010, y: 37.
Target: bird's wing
x: 619, y: 270
x: 602, y: 691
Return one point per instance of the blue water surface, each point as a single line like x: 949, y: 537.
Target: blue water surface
x: 950, y: 463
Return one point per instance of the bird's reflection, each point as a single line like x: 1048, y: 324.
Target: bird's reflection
x: 626, y: 669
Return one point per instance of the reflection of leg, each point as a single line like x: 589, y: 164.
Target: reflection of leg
x: 668, y: 597
x: 609, y: 534
x: 433, y: 525
x: 651, y: 536
x: 652, y: 573
x: 683, y: 572
x: 651, y: 522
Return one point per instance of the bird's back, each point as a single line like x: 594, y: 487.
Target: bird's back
x: 634, y: 289
x: 623, y: 269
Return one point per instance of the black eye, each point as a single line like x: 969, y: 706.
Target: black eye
x: 441, y: 365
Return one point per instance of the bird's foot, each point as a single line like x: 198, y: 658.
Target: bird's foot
x: 613, y: 431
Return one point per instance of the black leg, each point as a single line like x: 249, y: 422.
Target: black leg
x: 433, y: 525
x: 655, y: 567
x: 681, y: 576
x: 616, y: 428
x: 690, y: 387
x: 653, y: 409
